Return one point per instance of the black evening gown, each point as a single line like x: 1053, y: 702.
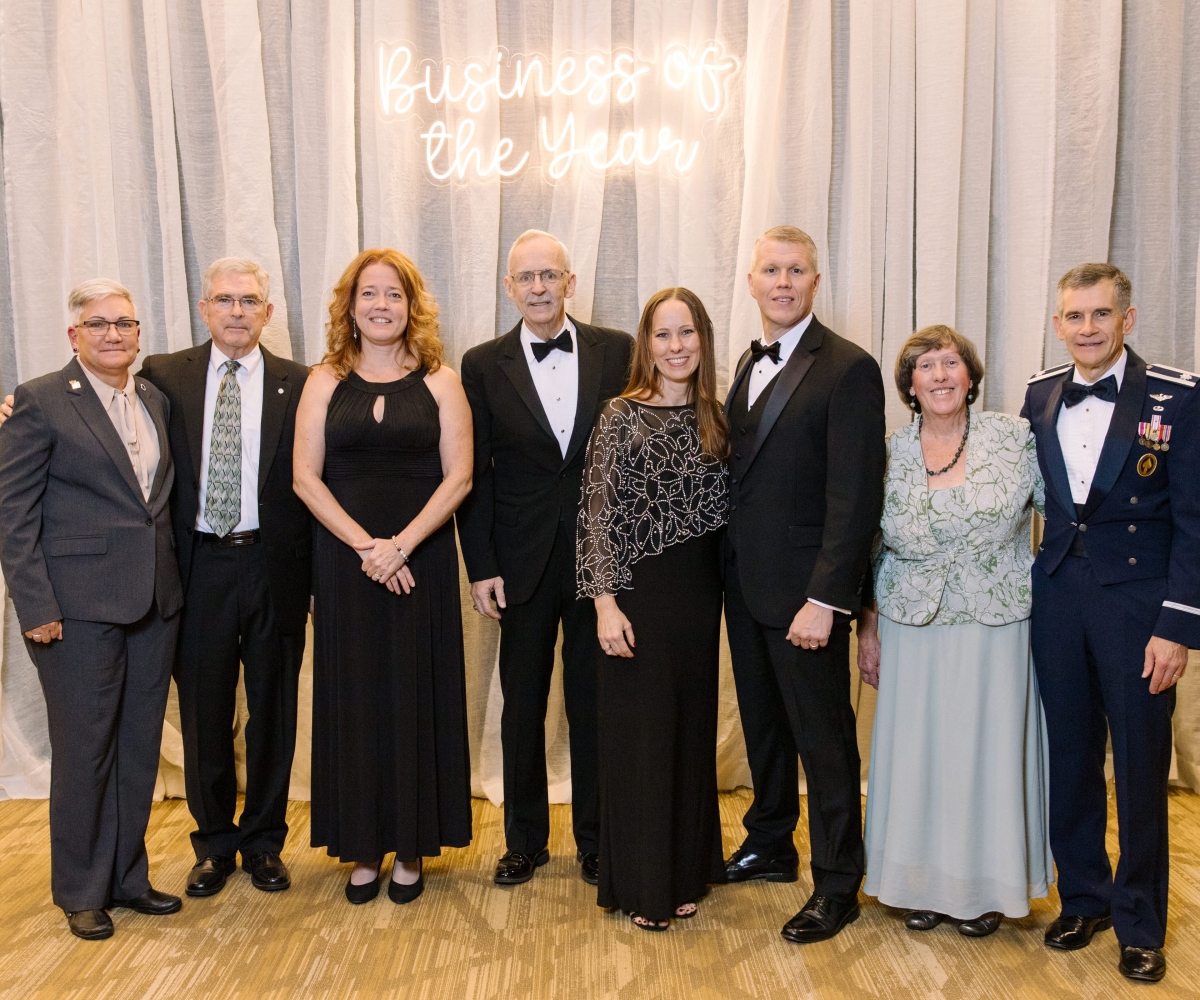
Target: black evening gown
x: 650, y: 532
x: 390, y: 762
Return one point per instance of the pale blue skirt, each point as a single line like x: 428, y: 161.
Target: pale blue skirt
x: 957, y: 800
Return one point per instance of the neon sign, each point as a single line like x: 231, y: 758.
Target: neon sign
x: 455, y: 105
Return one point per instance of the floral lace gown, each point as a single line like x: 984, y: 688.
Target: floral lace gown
x: 649, y: 532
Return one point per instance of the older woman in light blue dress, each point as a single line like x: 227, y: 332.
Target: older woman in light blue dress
x: 956, y: 808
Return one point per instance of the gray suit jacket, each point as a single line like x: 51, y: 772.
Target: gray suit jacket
x: 79, y: 539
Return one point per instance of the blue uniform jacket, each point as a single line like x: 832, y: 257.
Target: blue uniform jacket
x: 1142, y: 516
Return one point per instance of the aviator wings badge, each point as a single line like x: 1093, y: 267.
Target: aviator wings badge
x: 1162, y: 397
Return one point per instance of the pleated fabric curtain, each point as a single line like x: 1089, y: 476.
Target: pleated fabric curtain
x: 951, y: 158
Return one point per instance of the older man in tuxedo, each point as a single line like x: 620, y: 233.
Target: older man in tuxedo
x: 806, y: 491
x: 535, y: 394
x: 87, y: 550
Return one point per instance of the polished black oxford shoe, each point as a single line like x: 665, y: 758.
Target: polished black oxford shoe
x: 153, y: 902
x: 208, y: 875
x: 514, y: 867
x: 745, y: 865
x: 589, y: 867
x: 822, y: 918
x: 267, y: 871
x: 1073, y: 933
x: 1146, y: 965
x: 91, y: 925
x: 982, y: 926
x: 923, y: 920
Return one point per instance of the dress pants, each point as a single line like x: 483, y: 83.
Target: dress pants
x: 229, y: 622
x: 528, y: 635
x: 1089, y: 645
x: 106, y: 693
x: 793, y: 702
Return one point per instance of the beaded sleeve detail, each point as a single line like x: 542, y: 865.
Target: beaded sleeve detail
x: 647, y: 486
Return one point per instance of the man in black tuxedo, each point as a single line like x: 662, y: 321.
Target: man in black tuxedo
x: 245, y: 554
x: 535, y: 394
x: 805, y: 497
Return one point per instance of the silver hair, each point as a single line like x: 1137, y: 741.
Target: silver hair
x: 92, y: 290
x: 533, y: 234
x: 236, y: 265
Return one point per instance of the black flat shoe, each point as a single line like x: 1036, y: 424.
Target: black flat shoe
x: 589, y: 867
x: 364, y: 893
x: 515, y: 867
x: 745, y: 865
x: 208, y: 875
x: 1146, y: 965
x: 1073, y: 933
x: 153, y: 902
x: 923, y: 920
x: 267, y: 871
x: 981, y: 926
x: 400, y: 893
x: 822, y: 918
x: 91, y: 925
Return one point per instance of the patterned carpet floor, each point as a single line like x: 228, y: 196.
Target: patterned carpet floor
x: 466, y: 939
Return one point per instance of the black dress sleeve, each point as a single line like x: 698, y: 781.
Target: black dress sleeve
x: 601, y: 565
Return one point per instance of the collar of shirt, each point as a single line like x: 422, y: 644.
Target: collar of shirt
x: 787, y: 343
x: 529, y: 338
x: 106, y: 392
x: 249, y: 364
x: 1117, y: 369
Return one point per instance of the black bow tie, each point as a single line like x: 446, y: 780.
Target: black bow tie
x: 1075, y: 393
x: 543, y: 347
x: 758, y: 352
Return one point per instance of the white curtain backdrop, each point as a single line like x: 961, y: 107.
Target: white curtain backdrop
x: 951, y: 158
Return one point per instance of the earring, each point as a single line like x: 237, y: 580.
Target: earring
x: 353, y: 328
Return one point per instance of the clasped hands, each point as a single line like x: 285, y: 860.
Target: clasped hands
x: 383, y: 563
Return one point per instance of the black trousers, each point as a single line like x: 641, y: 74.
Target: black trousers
x: 1089, y: 645
x: 106, y: 693
x: 793, y: 702
x: 528, y: 635
x: 229, y: 622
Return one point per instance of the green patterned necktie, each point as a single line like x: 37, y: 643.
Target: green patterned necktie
x: 223, y: 499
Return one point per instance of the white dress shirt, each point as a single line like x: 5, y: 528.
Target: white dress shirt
x: 140, y: 436
x: 556, y: 379
x: 1082, y: 430
x: 765, y: 369
x: 250, y: 384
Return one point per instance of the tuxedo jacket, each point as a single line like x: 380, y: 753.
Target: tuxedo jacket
x: 1141, y: 520
x: 80, y: 539
x: 284, y: 521
x: 523, y: 486
x: 806, y: 484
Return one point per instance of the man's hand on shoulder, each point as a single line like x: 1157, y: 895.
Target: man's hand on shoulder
x: 481, y: 596
x: 811, y: 627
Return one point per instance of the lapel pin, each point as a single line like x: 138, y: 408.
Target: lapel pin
x: 74, y: 383
x: 281, y: 392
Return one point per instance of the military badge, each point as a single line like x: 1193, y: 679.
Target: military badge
x: 1147, y: 464
x: 1154, y: 434
x: 74, y: 383
x: 1162, y: 397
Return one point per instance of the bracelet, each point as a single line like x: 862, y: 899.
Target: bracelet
x: 403, y: 554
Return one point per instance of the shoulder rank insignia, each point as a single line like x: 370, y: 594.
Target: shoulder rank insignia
x: 1169, y: 373
x: 1049, y: 372
x: 74, y: 383
x: 1154, y: 434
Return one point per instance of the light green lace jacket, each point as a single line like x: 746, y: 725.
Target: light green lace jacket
x: 961, y: 554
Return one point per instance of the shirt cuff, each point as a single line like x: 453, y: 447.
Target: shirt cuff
x: 822, y: 604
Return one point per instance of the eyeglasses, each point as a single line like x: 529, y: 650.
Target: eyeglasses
x: 548, y: 277
x: 99, y: 327
x: 249, y: 303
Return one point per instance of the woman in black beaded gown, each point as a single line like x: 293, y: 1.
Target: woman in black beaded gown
x: 654, y: 504
x: 383, y: 457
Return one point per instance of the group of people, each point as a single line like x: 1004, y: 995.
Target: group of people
x: 189, y: 517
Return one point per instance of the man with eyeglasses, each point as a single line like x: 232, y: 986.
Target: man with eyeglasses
x: 245, y: 552
x: 535, y: 394
x: 85, y: 477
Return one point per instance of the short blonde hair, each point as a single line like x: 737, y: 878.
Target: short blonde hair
x: 788, y: 234
x: 936, y: 338
x: 533, y: 234
x: 92, y: 290
x: 1087, y: 275
x: 235, y: 265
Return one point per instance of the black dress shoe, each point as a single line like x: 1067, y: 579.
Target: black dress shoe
x: 515, y: 867
x: 208, y: 875
x: 981, y: 926
x: 821, y: 918
x: 923, y: 920
x: 400, y: 893
x: 745, y: 865
x: 589, y: 867
x: 267, y: 871
x: 152, y: 901
x: 362, y: 893
x: 1146, y: 965
x: 91, y: 925
x: 1073, y: 933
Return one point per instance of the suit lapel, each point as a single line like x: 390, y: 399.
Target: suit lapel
x: 1056, y: 465
x: 193, y: 382
x: 788, y: 381
x: 743, y: 371
x: 154, y: 408
x: 591, y: 368
x: 512, y: 362
x: 87, y: 403
x: 277, y: 390
x: 1122, y: 431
